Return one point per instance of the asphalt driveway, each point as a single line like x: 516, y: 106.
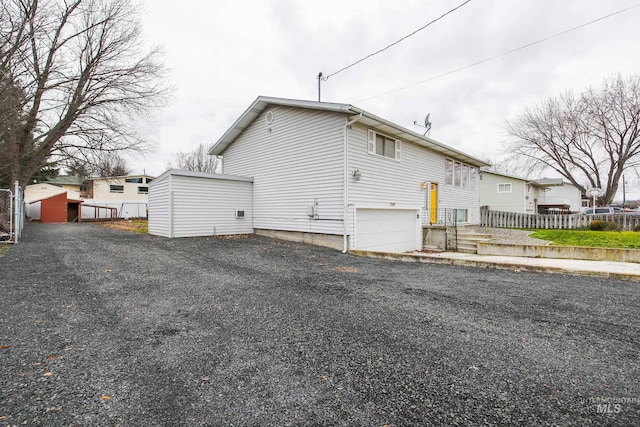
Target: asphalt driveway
x: 103, y: 328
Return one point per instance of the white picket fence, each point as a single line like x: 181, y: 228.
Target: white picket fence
x: 498, y: 219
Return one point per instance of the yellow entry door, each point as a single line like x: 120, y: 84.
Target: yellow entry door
x: 433, y: 203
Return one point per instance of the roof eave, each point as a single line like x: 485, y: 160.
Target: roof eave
x: 378, y: 123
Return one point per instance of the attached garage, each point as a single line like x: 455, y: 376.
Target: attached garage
x: 389, y: 230
x: 190, y: 204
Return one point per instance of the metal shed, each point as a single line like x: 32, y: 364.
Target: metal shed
x: 188, y: 204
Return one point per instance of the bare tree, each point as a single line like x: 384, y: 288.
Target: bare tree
x: 84, y: 74
x: 589, y: 139
x: 110, y: 164
x: 198, y: 160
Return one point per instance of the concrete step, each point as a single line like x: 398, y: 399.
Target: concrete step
x: 431, y: 248
x: 466, y: 235
x: 467, y: 249
x: 468, y: 241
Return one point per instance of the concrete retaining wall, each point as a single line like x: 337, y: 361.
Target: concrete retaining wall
x: 434, y: 236
x: 562, y: 252
x: 327, y: 240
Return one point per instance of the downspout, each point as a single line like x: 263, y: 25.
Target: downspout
x: 345, y: 184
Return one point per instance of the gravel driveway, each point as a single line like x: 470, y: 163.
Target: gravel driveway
x: 106, y: 328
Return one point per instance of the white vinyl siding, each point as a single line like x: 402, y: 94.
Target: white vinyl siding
x: 295, y: 161
x: 389, y: 184
x: 506, y: 194
x: 201, y: 205
x: 160, y: 208
x: 383, y: 145
x: 504, y: 188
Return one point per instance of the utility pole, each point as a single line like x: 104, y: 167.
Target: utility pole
x: 319, y: 82
x: 624, y: 193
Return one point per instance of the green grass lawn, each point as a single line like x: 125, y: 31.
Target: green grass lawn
x: 600, y: 239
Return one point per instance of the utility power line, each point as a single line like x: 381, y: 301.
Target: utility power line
x: 502, y: 54
x: 396, y: 42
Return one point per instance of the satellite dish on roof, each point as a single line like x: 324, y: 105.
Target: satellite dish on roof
x: 427, y: 124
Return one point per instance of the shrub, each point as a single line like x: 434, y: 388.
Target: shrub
x: 598, y: 225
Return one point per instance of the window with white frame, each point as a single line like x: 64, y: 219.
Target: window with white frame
x: 448, y: 172
x: 465, y: 176
x: 116, y: 188
x: 504, y: 187
x: 382, y: 145
x: 462, y: 215
x: 460, y: 174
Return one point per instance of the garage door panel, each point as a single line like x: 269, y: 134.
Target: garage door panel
x: 392, y: 230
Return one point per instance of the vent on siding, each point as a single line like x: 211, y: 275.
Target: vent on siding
x: 239, y: 214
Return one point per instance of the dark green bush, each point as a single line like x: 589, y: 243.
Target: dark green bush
x: 598, y: 225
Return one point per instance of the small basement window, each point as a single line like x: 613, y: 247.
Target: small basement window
x: 116, y: 188
x: 143, y: 190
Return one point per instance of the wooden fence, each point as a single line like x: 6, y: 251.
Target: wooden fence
x: 499, y: 219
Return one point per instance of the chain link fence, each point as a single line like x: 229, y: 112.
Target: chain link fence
x: 11, y: 214
x: 6, y: 215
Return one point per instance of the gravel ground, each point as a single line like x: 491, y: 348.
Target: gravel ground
x: 100, y: 327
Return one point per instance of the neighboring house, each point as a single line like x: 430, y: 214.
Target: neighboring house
x: 67, y: 182
x: 558, y: 195
x: 508, y: 193
x: 131, y: 187
x: 42, y: 191
x: 335, y: 175
x: 128, y: 194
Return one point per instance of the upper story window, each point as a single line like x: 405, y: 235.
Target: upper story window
x: 148, y: 180
x: 116, y: 188
x: 504, y: 188
x: 143, y: 190
x: 382, y: 145
x: 133, y: 180
x: 460, y: 175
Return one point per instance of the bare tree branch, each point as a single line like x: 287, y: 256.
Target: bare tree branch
x: 84, y: 76
x: 198, y: 160
x: 590, y: 139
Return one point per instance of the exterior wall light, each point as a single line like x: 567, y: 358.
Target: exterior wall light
x: 423, y: 185
x: 357, y: 175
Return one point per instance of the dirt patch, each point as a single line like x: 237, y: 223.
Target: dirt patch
x: 135, y: 226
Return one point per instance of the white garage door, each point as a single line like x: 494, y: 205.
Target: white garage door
x: 391, y: 230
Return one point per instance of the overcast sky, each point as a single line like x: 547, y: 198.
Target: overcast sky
x: 222, y: 54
